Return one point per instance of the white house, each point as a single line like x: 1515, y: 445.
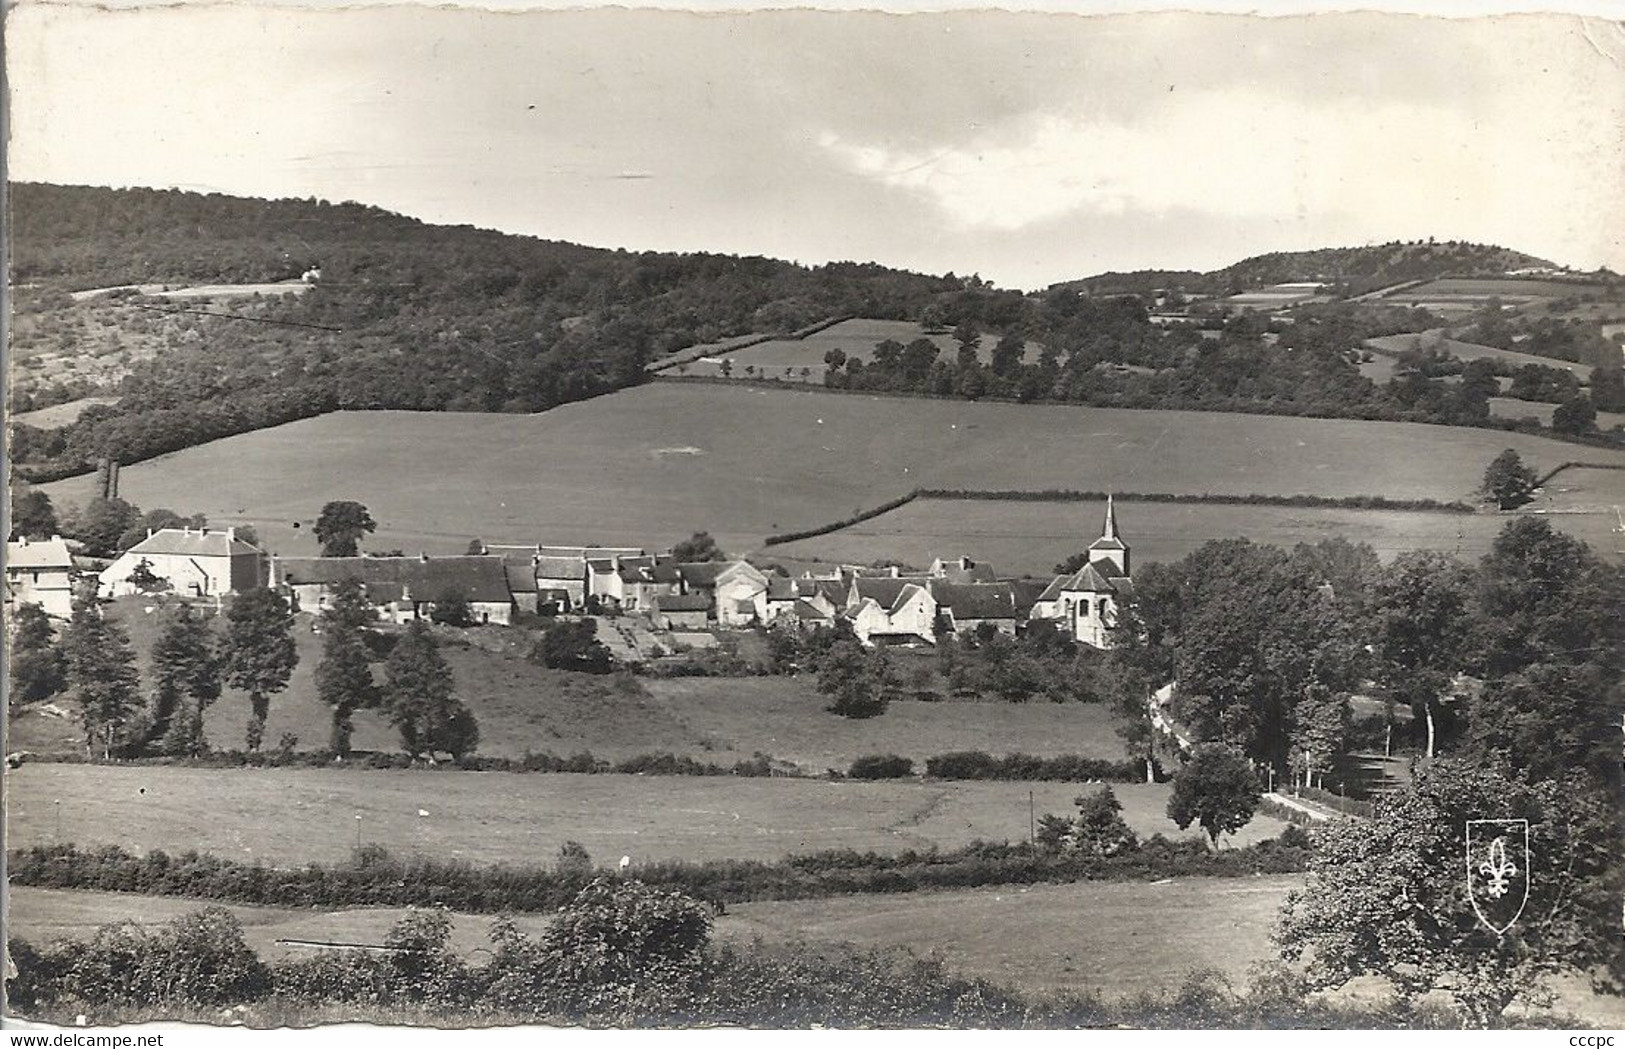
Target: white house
x: 197, y: 562
x: 40, y: 572
x: 892, y: 611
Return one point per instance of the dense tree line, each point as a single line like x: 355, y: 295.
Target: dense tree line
x: 405, y: 315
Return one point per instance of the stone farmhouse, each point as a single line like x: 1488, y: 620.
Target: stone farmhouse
x: 401, y: 589
x: 40, y: 572
x: 193, y: 562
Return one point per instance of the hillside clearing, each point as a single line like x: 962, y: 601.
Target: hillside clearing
x: 294, y: 816
x: 768, y: 461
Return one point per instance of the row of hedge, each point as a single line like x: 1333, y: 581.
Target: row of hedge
x: 836, y: 526
x: 1336, y: 802
x: 1337, y: 502
x: 1065, y: 495
x: 374, y: 877
x: 1071, y: 768
x: 659, y: 763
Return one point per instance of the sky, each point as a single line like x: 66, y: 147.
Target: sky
x: 1028, y: 148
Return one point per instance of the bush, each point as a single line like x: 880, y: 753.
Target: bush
x: 1070, y: 768
x: 882, y: 766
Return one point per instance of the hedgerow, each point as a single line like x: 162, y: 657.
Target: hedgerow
x: 623, y: 953
x: 1072, y: 768
x: 374, y: 877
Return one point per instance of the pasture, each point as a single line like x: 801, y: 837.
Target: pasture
x: 1467, y: 351
x: 59, y: 415
x: 1513, y: 408
x: 1111, y: 937
x: 650, y: 465
x: 784, y: 359
x: 522, y: 708
x: 1029, y: 538
x: 295, y: 816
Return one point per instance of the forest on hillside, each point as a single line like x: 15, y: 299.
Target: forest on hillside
x: 405, y: 315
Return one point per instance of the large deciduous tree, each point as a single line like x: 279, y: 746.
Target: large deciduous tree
x: 32, y: 514
x: 420, y: 694
x: 187, y: 666
x: 698, y: 547
x: 572, y: 644
x: 1422, y: 630
x: 1217, y: 789
x: 260, y: 653
x: 1508, y: 481
x: 341, y: 525
x: 37, y: 668
x: 101, y: 673
x: 344, y: 678
x: 855, y: 681
x: 1388, y: 896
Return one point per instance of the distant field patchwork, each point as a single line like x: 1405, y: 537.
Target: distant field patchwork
x: 652, y: 464
x: 1467, y: 351
x: 784, y: 359
x: 294, y: 816
x: 1029, y: 538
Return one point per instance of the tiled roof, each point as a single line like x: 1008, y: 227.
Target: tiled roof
x: 481, y: 579
x: 193, y: 542
x: 701, y: 573
x: 683, y: 603
x: 905, y: 595
x: 521, y: 579
x: 549, y: 567
x: 883, y: 589
x: 977, y: 601
x: 1028, y: 592
x: 808, y: 612
x: 1053, y: 591
x: 1091, y: 580
x: 39, y: 553
x: 964, y: 570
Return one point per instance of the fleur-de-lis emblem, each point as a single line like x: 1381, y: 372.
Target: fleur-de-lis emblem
x: 1499, y: 865
x: 1498, y: 869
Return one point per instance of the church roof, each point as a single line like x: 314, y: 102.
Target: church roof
x: 1092, y: 579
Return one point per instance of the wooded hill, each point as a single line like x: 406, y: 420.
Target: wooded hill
x: 1353, y: 271
x: 405, y: 315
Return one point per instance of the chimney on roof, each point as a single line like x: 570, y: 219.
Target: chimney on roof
x: 423, y: 556
x: 23, y: 541
x: 231, y: 534
x: 149, y: 533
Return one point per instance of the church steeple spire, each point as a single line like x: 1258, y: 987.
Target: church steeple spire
x: 1110, y: 545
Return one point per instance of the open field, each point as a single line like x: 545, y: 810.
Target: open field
x: 1468, y: 351
x: 523, y: 708
x: 59, y: 415
x: 1513, y: 408
x: 1029, y: 538
x: 201, y: 291
x: 652, y: 464
x: 1110, y: 938
x: 786, y: 718
x: 295, y: 816
x: 785, y: 358
x: 1138, y: 936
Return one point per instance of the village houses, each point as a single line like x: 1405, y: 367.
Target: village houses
x: 40, y: 572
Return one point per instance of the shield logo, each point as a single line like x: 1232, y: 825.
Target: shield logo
x: 1498, y: 871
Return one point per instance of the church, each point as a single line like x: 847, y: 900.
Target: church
x: 1085, y: 603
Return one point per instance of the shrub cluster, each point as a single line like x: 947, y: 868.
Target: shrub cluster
x: 373, y: 877
x: 882, y: 766
x: 1071, y: 768
x: 620, y: 953
x: 659, y: 763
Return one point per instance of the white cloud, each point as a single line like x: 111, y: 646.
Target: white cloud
x: 1233, y: 154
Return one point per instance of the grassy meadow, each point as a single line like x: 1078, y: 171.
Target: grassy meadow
x: 784, y: 359
x: 522, y: 708
x: 652, y: 464
x: 1029, y: 538
x: 292, y: 816
x: 1467, y: 351
x: 1513, y: 408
